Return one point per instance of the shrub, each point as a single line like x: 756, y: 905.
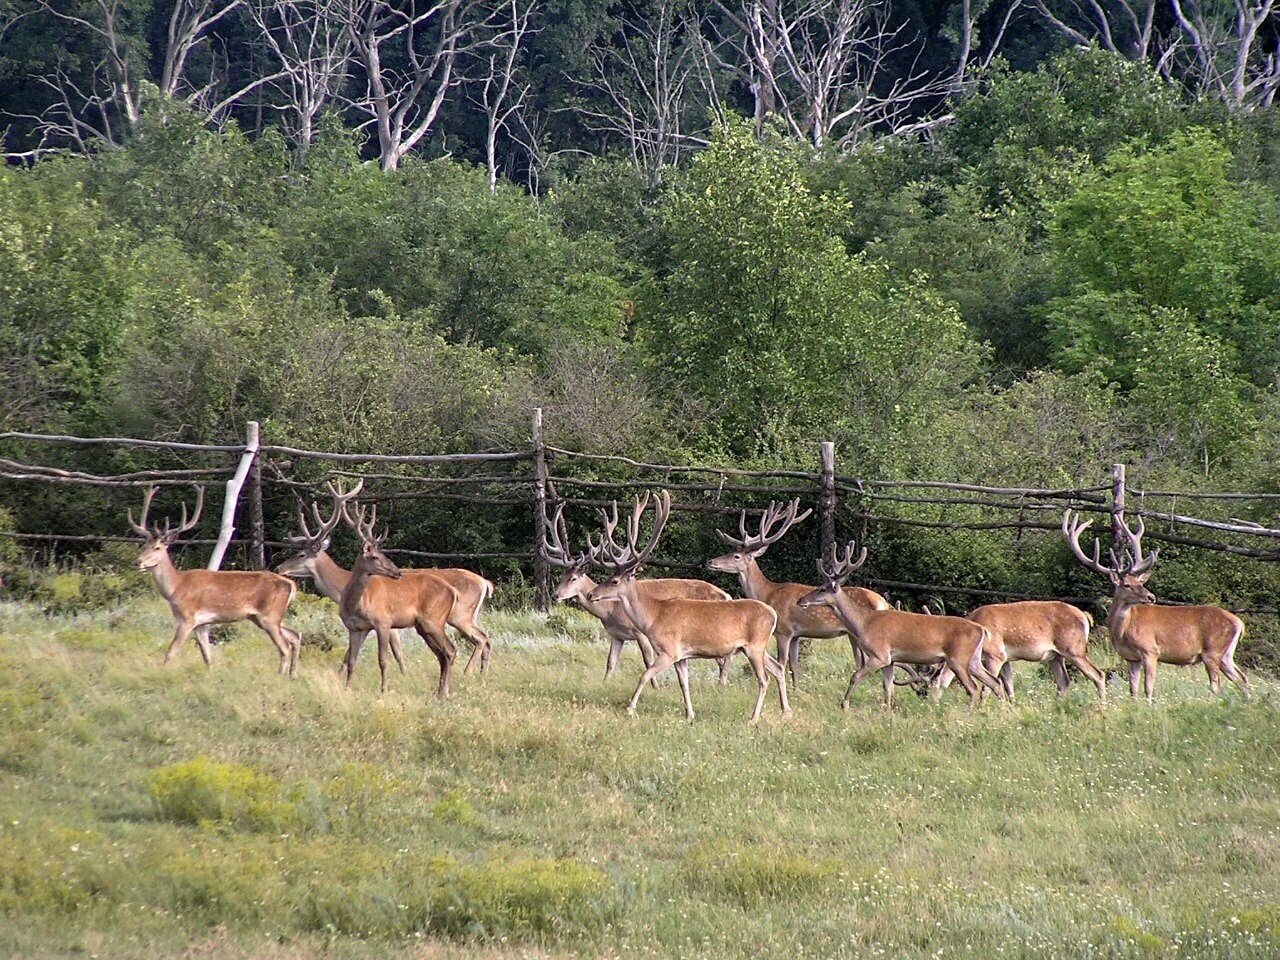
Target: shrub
x: 203, y: 791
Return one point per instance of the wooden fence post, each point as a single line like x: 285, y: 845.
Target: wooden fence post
x: 1118, y: 541
x: 257, y: 526
x: 234, y: 485
x: 827, y: 500
x: 541, y: 566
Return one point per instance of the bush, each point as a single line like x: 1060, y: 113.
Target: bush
x: 202, y: 791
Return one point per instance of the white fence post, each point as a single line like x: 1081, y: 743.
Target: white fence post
x: 234, y: 485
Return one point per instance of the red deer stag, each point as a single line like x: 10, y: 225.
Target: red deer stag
x: 576, y: 584
x: 888, y: 637
x: 313, y: 560
x: 380, y: 598
x: 201, y: 598
x: 794, y: 621
x: 681, y: 629
x: 1144, y: 633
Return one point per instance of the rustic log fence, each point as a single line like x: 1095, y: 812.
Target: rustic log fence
x: 515, y: 488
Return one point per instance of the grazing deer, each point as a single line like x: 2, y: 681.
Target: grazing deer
x: 1039, y: 631
x: 794, y: 621
x: 888, y: 637
x: 681, y: 629
x: 576, y: 584
x: 313, y: 560
x: 1144, y: 633
x: 201, y: 598
x: 380, y: 598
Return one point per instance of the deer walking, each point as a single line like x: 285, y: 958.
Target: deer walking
x: 889, y: 637
x: 681, y: 629
x: 201, y: 598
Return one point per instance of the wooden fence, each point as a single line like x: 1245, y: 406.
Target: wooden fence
x: 518, y: 486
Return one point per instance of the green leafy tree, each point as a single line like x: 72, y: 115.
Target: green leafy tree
x: 764, y: 314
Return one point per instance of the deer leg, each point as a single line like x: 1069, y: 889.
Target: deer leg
x: 179, y: 638
x: 779, y: 674
x: 1149, y: 676
x: 888, y: 685
x: 1134, y: 667
x: 725, y: 664
x: 756, y: 657
x: 272, y: 630
x: 784, y: 653
x: 439, y: 644
x: 397, y: 651
x: 355, y: 640
x: 615, y: 651
x: 663, y: 661
x: 1235, y: 674
x: 1058, y: 670
x: 384, y: 644
x: 978, y: 671
x: 793, y: 659
x: 1086, y: 666
x: 202, y: 641
x: 468, y: 627
x: 872, y: 663
x: 682, y: 674
x: 1214, y: 669
x: 962, y: 672
x: 1005, y: 673
x: 295, y: 648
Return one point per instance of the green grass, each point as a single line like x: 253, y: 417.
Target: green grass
x: 149, y: 811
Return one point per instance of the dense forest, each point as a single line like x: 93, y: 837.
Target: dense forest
x: 975, y: 241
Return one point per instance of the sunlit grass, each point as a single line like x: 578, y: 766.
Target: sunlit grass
x: 149, y: 811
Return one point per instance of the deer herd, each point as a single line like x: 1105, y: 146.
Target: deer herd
x: 673, y: 621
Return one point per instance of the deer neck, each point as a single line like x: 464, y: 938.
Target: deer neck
x: 601, y: 611
x: 167, y: 576
x: 353, y: 593
x: 1122, y: 604
x: 634, y: 607
x: 851, y: 616
x: 754, y: 583
x: 329, y: 577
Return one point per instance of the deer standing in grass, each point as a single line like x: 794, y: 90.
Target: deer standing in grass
x: 888, y: 637
x: 794, y: 621
x: 379, y: 598
x: 1039, y: 631
x: 313, y: 560
x: 1144, y: 633
x: 576, y: 584
x: 681, y: 629
x: 201, y: 598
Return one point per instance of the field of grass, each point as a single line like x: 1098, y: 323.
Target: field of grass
x: 183, y: 812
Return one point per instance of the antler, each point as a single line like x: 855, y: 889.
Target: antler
x: 1128, y: 562
x: 775, y: 523
x: 140, y: 526
x: 166, y: 533
x: 625, y: 560
x: 324, y: 528
x: 836, y: 569
x: 557, y: 545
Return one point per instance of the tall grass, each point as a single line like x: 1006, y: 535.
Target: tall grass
x: 149, y: 811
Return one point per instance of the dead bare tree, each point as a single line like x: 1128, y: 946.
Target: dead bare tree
x: 828, y: 69
x: 640, y: 78
x: 1227, y: 52
x: 309, y: 42
x: 499, y: 88
x: 410, y: 53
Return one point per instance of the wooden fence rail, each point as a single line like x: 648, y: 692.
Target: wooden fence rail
x: 543, y: 475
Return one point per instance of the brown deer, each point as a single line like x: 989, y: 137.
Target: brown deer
x: 576, y: 585
x: 888, y: 637
x: 201, y: 598
x: 1144, y: 633
x: 380, y: 598
x: 1039, y: 631
x: 313, y: 560
x: 681, y: 629
x: 794, y: 621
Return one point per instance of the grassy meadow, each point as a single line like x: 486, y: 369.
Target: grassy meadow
x: 183, y: 812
